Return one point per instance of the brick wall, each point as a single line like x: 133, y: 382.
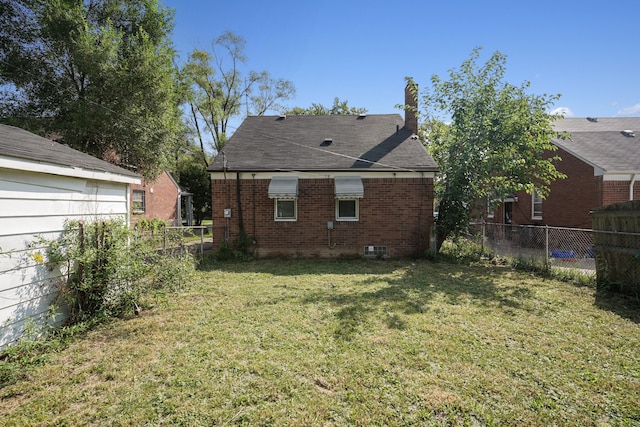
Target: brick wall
x: 570, y: 200
x: 618, y: 192
x: 394, y: 212
x: 161, y: 199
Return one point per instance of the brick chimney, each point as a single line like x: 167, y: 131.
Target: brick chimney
x: 411, y: 106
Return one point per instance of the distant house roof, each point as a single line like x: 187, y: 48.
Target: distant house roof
x: 605, y: 143
x: 378, y: 142
x: 20, y: 144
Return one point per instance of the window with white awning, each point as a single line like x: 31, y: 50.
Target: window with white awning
x: 283, y: 187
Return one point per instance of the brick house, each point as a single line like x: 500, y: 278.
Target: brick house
x: 328, y: 186
x: 602, y: 164
x: 162, y: 199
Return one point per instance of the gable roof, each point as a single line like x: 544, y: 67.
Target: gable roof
x: 20, y: 144
x: 602, y: 143
x: 378, y: 142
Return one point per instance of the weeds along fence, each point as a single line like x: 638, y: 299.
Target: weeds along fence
x: 550, y: 246
x: 613, y: 255
x: 178, y: 240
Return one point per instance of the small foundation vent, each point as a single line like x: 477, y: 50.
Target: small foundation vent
x: 375, y: 251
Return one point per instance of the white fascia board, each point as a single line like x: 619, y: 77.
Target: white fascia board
x: 619, y: 176
x: 52, y: 169
x: 321, y: 175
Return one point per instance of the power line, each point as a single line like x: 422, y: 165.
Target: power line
x: 144, y: 126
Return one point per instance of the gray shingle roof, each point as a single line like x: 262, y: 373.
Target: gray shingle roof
x: 21, y: 144
x: 374, y: 142
x: 602, y: 143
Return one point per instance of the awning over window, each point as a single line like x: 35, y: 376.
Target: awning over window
x: 349, y: 187
x: 283, y: 187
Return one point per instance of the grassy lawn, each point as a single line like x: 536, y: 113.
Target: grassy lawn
x: 324, y: 343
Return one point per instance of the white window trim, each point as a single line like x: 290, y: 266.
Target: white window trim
x: 134, y: 202
x: 490, y: 209
x: 352, y: 219
x: 535, y: 196
x: 275, y: 210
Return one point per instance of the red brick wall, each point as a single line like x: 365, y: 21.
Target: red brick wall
x: 161, y: 203
x: 570, y: 200
x: 618, y: 191
x: 394, y: 212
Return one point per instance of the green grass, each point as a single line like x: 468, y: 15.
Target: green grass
x: 328, y: 343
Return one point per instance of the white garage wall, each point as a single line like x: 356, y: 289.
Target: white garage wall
x: 36, y: 205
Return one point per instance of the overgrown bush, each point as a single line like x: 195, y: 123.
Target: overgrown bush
x: 460, y: 251
x: 234, y: 251
x: 110, y: 267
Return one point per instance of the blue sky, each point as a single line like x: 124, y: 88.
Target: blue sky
x: 360, y: 51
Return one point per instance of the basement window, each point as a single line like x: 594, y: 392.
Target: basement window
x: 375, y: 251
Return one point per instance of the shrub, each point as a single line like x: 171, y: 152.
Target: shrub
x: 110, y: 267
x: 460, y: 250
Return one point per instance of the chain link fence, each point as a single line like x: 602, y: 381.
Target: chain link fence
x: 178, y: 240
x: 615, y: 256
x: 551, y: 246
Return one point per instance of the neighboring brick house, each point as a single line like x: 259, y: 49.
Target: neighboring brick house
x: 602, y: 164
x: 162, y: 199
x: 336, y: 185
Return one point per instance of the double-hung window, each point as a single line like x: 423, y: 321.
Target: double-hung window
x: 536, y: 205
x: 138, y: 201
x: 284, y: 191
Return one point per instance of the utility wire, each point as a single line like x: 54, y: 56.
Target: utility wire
x: 145, y: 126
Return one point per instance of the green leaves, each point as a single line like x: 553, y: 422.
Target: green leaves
x: 495, y: 144
x: 104, y: 81
x: 215, y: 91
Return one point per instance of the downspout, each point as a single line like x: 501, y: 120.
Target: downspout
x: 226, y: 184
x: 253, y: 182
x: 241, y: 222
x: 631, y: 185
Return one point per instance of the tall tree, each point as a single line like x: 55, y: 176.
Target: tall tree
x: 217, y: 90
x: 98, y: 74
x: 338, y: 107
x: 494, y: 145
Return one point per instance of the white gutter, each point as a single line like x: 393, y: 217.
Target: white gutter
x: 631, y: 185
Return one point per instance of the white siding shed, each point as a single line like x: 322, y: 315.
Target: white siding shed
x: 42, y: 185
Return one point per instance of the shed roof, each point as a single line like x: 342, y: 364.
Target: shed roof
x: 324, y: 143
x: 20, y: 144
x: 603, y: 142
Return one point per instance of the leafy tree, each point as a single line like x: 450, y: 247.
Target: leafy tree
x: 97, y: 74
x: 193, y: 177
x: 494, y: 145
x: 338, y: 107
x: 215, y: 89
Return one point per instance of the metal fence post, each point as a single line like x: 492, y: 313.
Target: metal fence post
x: 546, y: 247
